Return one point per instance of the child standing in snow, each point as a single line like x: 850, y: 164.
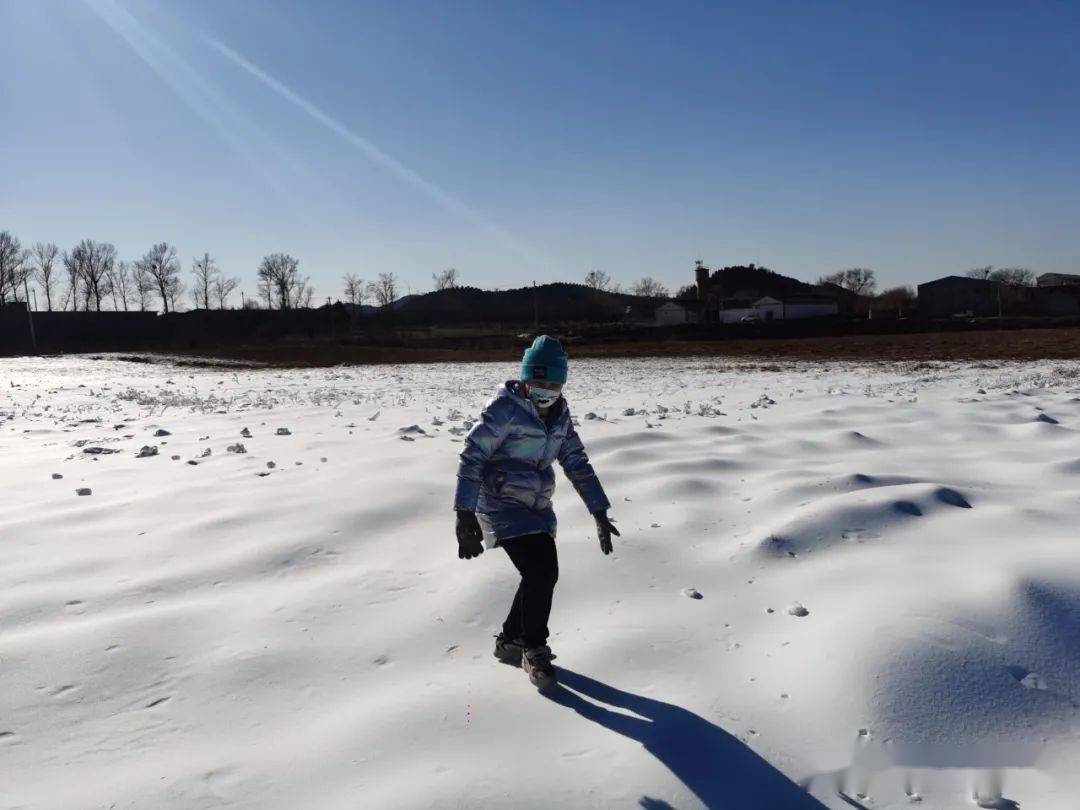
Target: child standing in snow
x: 503, y: 498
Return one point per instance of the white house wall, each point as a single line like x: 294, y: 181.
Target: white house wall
x: 810, y: 310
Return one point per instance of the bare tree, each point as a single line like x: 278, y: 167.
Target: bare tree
x: 73, y: 268
x: 649, y: 287
x: 124, y: 285
x: 446, y: 280
x: 858, y: 280
x: 280, y: 282
x: 175, y: 292
x: 43, y: 266
x: 223, y: 288
x: 384, y: 291
x: 143, y: 284
x: 113, y: 291
x: 162, y: 266
x: 303, y: 293
x: 354, y: 289
x: 598, y: 280
x: 90, y: 264
x: 205, y: 271
x: 13, y: 266
x: 266, y: 292
x: 1015, y: 276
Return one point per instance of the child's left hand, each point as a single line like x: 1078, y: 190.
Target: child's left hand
x: 605, y: 527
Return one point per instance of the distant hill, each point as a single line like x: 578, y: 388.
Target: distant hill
x: 749, y: 283
x: 553, y: 303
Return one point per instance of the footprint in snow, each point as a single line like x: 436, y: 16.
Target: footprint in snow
x: 798, y: 610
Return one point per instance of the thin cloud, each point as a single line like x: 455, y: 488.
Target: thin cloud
x: 378, y: 156
x: 201, y: 97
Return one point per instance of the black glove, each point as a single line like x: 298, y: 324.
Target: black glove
x: 470, y: 538
x: 605, y: 527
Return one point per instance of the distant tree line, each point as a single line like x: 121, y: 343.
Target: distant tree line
x: 647, y: 286
x: 1014, y: 276
x: 90, y: 276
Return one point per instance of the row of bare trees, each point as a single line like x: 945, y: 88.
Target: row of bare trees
x: 90, y: 275
x: 384, y: 289
x: 1014, y: 276
x: 863, y: 282
x: 647, y: 286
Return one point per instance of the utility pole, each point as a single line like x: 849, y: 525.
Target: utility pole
x: 536, y: 310
x: 30, y: 320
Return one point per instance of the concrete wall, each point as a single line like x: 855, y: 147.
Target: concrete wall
x: 822, y: 310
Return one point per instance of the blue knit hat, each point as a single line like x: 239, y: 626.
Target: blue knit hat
x: 544, y: 361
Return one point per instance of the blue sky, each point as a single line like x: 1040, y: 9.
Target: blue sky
x: 519, y: 141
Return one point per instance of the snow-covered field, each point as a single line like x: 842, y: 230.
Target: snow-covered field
x: 290, y: 627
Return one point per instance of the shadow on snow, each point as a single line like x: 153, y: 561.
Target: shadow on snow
x: 719, y: 769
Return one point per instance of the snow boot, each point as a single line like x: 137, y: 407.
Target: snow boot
x: 507, y: 651
x: 537, y: 662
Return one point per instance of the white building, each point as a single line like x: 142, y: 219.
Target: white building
x: 1057, y: 279
x: 773, y: 309
x: 673, y: 314
x: 769, y: 309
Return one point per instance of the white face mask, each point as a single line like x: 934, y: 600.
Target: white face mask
x: 543, y: 397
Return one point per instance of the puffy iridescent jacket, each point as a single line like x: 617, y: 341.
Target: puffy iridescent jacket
x: 506, y: 473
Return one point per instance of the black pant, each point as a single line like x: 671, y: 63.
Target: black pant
x: 534, y: 557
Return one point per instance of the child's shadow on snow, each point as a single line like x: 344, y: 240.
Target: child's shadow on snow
x: 720, y: 770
